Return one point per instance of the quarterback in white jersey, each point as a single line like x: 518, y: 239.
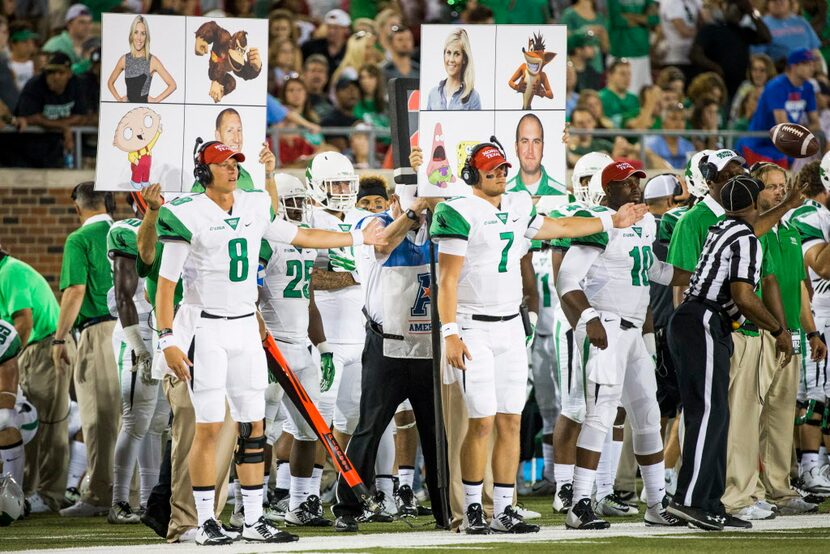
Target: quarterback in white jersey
x: 604, y: 289
x: 482, y: 240
x: 218, y: 233
x: 286, y: 302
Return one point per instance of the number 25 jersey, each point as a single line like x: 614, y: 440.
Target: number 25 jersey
x: 220, y: 273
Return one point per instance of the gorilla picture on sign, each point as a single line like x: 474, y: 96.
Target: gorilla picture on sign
x: 229, y: 55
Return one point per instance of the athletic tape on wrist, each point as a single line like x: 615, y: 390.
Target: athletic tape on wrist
x: 167, y: 341
x: 132, y: 336
x: 607, y: 221
x: 357, y: 237
x: 324, y: 348
x: 587, y: 315
x: 651, y: 343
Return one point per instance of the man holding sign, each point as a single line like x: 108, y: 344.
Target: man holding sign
x: 482, y: 238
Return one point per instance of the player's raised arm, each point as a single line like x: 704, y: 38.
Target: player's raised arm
x: 574, y: 227
x: 147, y: 236
x: 321, y: 238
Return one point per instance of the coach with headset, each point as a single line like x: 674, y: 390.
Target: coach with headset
x: 86, y: 278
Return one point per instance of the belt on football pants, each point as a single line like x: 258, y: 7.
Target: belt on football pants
x: 493, y: 318
x: 228, y: 317
x: 94, y: 321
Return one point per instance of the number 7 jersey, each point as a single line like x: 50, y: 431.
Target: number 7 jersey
x: 221, y: 270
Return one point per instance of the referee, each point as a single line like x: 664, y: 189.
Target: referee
x: 721, y: 292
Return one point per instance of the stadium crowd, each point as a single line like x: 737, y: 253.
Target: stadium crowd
x: 105, y: 373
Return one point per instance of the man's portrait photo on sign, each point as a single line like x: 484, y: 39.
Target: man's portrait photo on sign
x: 530, y: 67
x: 464, y: 54
x: 227, y: 61
x: 151, y: 70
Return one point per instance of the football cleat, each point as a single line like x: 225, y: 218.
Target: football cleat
x: 511, y: 522
x: 405, y: 501
x: 543, y: 488
x: 563, y: 499
x: 736, y: 522
x: 39, y: 506
x: 84, y: 509
x: 474, y: 523
x: 697, y: 517
x: 271, y: 514
x: 345, y: 524
x: 796, y: 505
x: 280, y: 503
x: 307, y: 514
x: 121, y: 513
x: 237, y: 520
x: 658, y: 515
x: 582, y: 516
x: 72, y: 495
x: 263, y: 531
x: 815, y: 482
x: 613, y: 505
x: 385, y: 515
x: 628, y: 497
x: 210, y: 534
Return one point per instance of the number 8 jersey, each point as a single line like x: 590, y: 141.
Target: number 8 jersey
x: 493, y: 241
x: 221, y: 270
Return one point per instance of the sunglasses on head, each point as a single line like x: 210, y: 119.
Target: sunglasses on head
x: 289, y: 76
x: 398, y: 29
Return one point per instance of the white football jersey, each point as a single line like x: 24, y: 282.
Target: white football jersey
x: 618, y: 282
x: 220, y: 273
x: 122, y: 240
x: 341, y: 310
x: 548, y: 299
x: 492, y: 241
x: 812, y: 220
x: 285, y: 286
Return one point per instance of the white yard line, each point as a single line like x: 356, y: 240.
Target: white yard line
x: 442, y: 539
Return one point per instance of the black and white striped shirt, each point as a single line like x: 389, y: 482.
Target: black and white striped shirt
x: 731, y: 253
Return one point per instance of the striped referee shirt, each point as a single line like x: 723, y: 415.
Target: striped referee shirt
x: 731, y: 253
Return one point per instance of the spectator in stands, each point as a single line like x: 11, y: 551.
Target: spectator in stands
x: 78, y: 27
x: 399, y: 55
x: 678, y: 23
x: 723, y: 45
x: 298, y: 147
x: 582, y: 18
x: 709, y: 85
x: 629, y: 26
x: 333, y: 45
x: 591, y: 101
x: 571, y: 94
x: 372, y: 105
x: 672, y: 79
x: 22, y: 50
x: 91, y: 87
x: 239, y: 8
x: 9, y: 91
x: 789, y: 32
x: 788, y: 97
x: 360, y: 50
x: 315, y: 75
x: 579, y: 144
x: 623, y: 107
x: 760, y: 71
x: 384, y: 21
x: 476, y: 14
x: 819, y: 15
x: 359, y: 151
x: 281, y: 26
x: 284, y: 61
x: 527, y: 12
x: 706, y: 117
x: 582, y: 49
x: 746, y: 109
x: 53, y: 100
x: 347, y: 95
x: 666, y: 151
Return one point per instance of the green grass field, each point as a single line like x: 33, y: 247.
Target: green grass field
x: 52, y: 531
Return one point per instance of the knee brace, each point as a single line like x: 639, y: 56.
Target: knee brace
x: 245, y: 444
x: 596, y: 426
x: 644, y: 414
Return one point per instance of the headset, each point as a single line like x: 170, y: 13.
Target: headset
x: 201, y: 171
x: 708, y: 170
x: 469, y: 173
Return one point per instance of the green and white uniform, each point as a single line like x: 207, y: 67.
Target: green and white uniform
x: 668, y: 222
x: 492, y: 242
x: 543, y: 351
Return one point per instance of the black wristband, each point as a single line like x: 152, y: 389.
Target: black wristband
x: 813, y: 334
x: 56, y: 342
x: 410, y: 214
x: 777, y: 333
x: 163, y: 332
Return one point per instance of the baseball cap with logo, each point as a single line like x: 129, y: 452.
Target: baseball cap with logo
x: 218, y: 152
x: 620, y: 171
x: 662, y: 186
x: 337, y: 17
x: 800, y: 55
x: 57, y: 61
x: 740, y: 192
x: 722, y: 157
x: 489, y: 158
x: 75, y: 11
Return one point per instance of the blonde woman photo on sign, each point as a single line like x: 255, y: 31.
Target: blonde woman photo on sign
x: 457, y: 91
x: 139, y: 66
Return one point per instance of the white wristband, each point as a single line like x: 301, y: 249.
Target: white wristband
x: 587, y: 315
x: 651, y: 343
x: 607, y: 221
x: 132, y: 337
x: 449, y: 329
x: 324, y: 348
x: 357, y: 237
x: 533, y: 317
x: 166, y: 342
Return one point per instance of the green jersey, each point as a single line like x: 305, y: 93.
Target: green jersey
x: 786, y: 262
x: 9, y: 341
x: 627, y: 40
x: 85, y: 263
x: 574, y: 209
x: 36, y: 295
x: 150, y: 274
x: 619, y: 109
x: 668, y: 222
x: 691, y: 231
x: 243, y: 182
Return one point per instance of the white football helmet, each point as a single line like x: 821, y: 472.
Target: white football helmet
x: 11, y: 500
x: 587, y: 166
x: 327, y: 171
x: 293, y: 196
x: 694, y: 178
x: 824, y: 171
x: 595, y: 192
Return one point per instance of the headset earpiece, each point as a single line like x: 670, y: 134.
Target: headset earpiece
x: 708, y: 170
x: 469, y: 173
x: 201, y: 170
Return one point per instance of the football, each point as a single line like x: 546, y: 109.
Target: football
x: 794, y: 140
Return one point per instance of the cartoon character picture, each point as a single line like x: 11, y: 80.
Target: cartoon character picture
x: 529, y: 78
x: 438, y: 168
x: 136, y: 134
x: 229, y: 55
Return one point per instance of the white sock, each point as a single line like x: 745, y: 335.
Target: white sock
x: 203, y: 496
x: 316, y: 475
x: 502, y: 498
x: 654, y: 481
x: 386, y: 485
x: 563, y: 474
x: 14, y: 461
x: 301, y: 489
x: 237, y: 495
x: 809, y: 460
x: 283, y: 475
x: 607, y: 468
x: 822, y: 456
x: 252, y: 502
x: 472, y: 493
x: 583, y: 483
x: 385, y: 460
x: 77, y: 465
x: 547, y: 453
x: 265, y: 480
x: 406, y: 475
x: 149, y: 463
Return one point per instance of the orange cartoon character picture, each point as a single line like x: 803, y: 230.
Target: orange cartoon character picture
x: 230, y: 55
x: 137, y: 134
x: 529, y: 78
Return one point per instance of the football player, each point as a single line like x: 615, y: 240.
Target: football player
x: 144, y: 409
x: 481, y: 239
x: 15, y: 413
x: 604, y: 289
x: 219, y: 233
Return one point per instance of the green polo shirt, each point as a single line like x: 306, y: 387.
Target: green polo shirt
x: 691, y: 231
x: 22, y: 287
x: 150, y: 273
x: 619, y: 109
x: 783, y: 248
x: 243, y: 182
x: 548, y: 186
x: 85, y: 262
x: 62, y: 43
